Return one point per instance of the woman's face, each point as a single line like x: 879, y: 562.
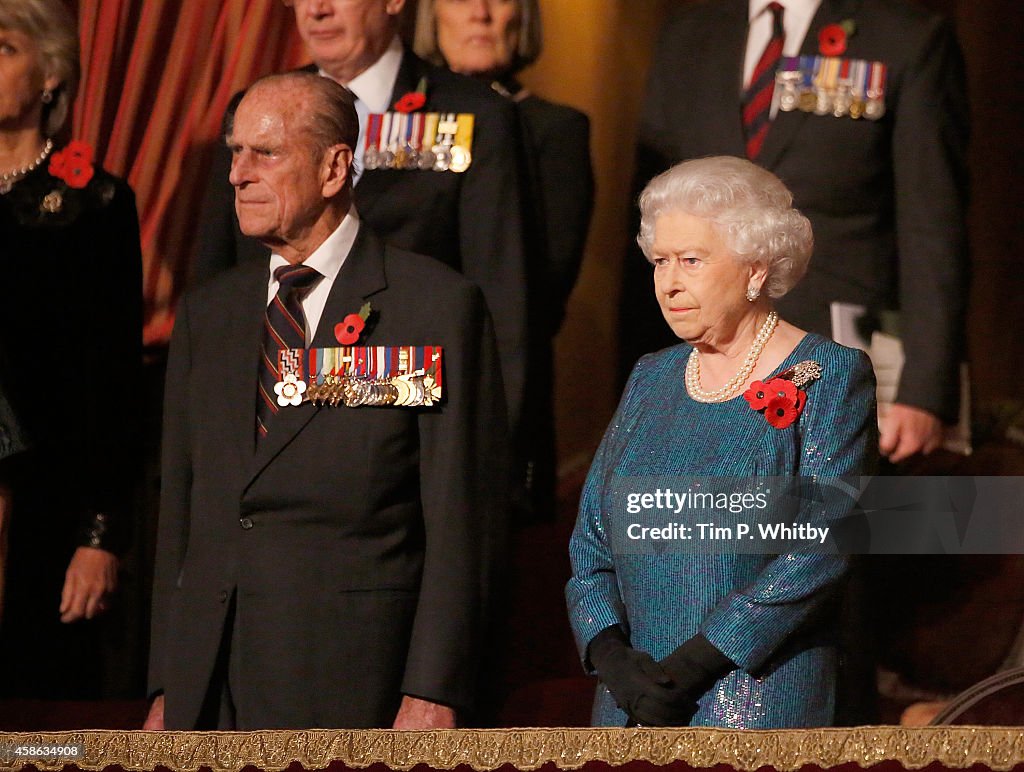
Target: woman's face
x: 478, y: 37
x: 700, y: 286
x: 21, y: 80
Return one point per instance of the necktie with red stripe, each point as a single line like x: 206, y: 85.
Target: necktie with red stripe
x: 284, y: 326
x: 757, y: 100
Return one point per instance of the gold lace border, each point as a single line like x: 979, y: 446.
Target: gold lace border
x: 998, y: 748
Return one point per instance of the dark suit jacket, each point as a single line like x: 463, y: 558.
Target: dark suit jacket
x: 557, y: 143
x: 886, y: 198
x: 472, y: 221
x: 12, y: 439
x: 356, y: 542
x: 561, y: 200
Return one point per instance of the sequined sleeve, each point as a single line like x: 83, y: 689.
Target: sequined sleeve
x: 592, y: 593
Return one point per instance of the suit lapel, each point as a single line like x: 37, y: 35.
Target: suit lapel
x: 786, y: 124
x: 361, y: 276
x: 373, y: 183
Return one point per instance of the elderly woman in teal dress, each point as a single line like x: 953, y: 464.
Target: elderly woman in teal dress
x: 732, y: 640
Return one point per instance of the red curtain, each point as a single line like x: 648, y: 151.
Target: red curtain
x: 157, y: 76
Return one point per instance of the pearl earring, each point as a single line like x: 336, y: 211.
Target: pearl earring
x: 47, y: 96
x: 753, y: 293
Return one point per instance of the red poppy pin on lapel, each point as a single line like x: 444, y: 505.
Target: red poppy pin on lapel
x: 833, y: 37
x: 349, y: 329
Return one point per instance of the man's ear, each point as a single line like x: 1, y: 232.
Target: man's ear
x: 336, y: 169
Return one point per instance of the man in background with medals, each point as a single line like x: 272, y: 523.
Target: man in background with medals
x: 334, y: 457
x: 859, y: 107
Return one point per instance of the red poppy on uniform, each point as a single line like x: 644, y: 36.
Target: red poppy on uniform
x: 349, y: 329
x: 411, y: 102
x: 832, y: 40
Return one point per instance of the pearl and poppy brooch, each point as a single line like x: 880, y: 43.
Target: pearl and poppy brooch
x: 781, y: 399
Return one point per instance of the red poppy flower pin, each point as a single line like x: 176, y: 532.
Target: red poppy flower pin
x: 832, y: 38
x: 781, y: 400
x: 349, y: 329
x: 413, y: 100
x: 73, y: 164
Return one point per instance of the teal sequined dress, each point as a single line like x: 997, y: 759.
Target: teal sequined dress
x: 773, y: 615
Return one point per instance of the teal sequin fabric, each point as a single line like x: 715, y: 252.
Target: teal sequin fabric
x: 773, y: 615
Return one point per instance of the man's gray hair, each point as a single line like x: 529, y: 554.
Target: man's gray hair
x: 749, y: 208
x: 53, y: 28
x: 332, y: 118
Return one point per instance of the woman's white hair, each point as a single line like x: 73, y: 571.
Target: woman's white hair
x: 54, y: 30
x: 749, y: 208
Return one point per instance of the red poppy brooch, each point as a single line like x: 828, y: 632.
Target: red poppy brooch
x: 832, y: 38
x: 349, y: 329
x: 73, y: 164
x: 413, y: 100
x: 781, y: 400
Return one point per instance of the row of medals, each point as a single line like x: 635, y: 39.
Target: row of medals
x: 411, y: 390
x: 439, y: 158
x: 838, y: 101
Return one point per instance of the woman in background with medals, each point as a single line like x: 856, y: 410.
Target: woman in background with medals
x: 71, y: 319
x: 492, y: 40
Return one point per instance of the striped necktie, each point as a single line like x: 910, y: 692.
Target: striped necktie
x: 757, y: 100
x: 284, y: 326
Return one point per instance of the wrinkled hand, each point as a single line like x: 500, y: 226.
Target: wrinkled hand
x: 90, y: 578
x: 909, y: 430
x: 640, y: 686
x: 415, y: 713
x: 155, y: 719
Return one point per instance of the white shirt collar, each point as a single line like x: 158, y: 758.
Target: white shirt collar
x: 373, y: 86
x: 330, y: 255
x: 328, y: 259
x: 796, y: 21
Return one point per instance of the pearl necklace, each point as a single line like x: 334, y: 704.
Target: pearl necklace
x: 7, y: 179
x: 733, y: 386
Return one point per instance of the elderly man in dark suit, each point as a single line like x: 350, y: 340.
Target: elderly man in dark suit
x: 885, y: 190
x: 472, y: 221
x: 321, y: 565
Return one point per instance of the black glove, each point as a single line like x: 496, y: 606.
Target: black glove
x: 696, y: 665
x: 640, y: 686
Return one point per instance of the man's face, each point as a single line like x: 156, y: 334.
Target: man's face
x: 276, y: 174
x: 346, y: 36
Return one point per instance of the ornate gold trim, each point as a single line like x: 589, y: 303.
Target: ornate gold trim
x: 999, y: 748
